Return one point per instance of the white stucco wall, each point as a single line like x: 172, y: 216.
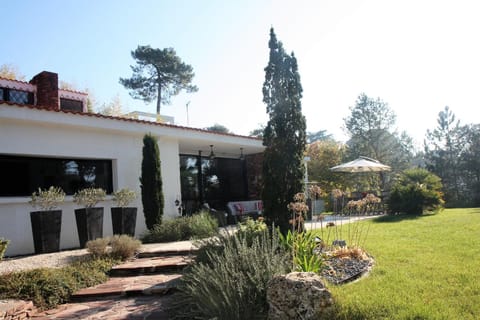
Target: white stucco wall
x: 26, y: 138
x: 33, y: 132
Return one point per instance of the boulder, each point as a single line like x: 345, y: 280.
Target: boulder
x: 298, y: 295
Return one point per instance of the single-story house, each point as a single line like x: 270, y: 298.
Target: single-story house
x: 48, y: 138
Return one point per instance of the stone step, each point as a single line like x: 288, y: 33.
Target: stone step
x: 169, y: 248
x: 159, y: 284
x: 143, y: 266
x: 164, y: 253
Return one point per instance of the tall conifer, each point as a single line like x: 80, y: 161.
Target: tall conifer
x: 284, y: 136
x: 151, y: 182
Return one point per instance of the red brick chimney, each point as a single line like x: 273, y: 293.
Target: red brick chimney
x: 47, y: 89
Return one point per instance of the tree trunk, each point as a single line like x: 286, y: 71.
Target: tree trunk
x: 159, y: 98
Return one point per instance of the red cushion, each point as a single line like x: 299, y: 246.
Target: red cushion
x: 239, y: 207
x: 259, y: 205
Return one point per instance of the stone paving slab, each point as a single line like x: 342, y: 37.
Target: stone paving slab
x: 132, y: 308
x: 155, y: 249
x: 129, y: 286
x: 150, y: 265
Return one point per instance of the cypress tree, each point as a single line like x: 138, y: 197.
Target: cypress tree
x: 284, y: 136
x: 151, y: 182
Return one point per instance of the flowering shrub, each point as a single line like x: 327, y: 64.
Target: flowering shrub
x: 47, y: 199
x: 89, y: 197
x: 123, y: 197
x: 298, y: 208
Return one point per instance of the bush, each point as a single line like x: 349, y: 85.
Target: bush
x: 415, y: 192
x: 233, y: 283
x: 119, y: 247
x: 124, y: 246
x: 3, y: 247
x: 48, y: 287
x: 250, y: 229
x: 98, y: 247
x: 201, y: 225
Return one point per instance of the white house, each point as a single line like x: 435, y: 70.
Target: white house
x: 47, y: 138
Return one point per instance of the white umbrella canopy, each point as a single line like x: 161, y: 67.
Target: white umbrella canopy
x: 362, y: 164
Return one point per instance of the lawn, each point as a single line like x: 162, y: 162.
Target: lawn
x: 426, y: 267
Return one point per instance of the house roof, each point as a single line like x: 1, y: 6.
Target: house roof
x: 98, y: 115
x: 191, y: 140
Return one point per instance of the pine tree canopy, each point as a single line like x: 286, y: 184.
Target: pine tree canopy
x: 159, y: 74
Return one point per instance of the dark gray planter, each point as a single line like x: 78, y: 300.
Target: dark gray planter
x: 46, y: 227
x: 124, y: 220
x: 89, y: 224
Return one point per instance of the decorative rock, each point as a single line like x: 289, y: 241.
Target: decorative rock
x: 16, y: 309
x: 339, y: 243
x: 298, y: 295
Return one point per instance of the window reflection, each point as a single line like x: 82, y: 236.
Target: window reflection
x: 221, y: 180
x: 23, y: 175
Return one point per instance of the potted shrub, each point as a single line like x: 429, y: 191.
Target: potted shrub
x: 124, y: 218
x: 89, y: 218
x: 47, y: 222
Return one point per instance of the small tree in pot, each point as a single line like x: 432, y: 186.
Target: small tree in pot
x: 124, y: 218
x: 46, y: 223
x: 89, y: 219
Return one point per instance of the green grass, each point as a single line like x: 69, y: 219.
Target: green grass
x: 426, y: 267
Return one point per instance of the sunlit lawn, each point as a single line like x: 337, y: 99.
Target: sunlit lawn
x: 426, y: 267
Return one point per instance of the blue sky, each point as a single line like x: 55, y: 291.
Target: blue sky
x: 418, y: 56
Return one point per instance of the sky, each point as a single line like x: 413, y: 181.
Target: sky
x: 417, y: 56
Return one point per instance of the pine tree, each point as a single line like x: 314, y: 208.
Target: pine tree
x: 151, y: 182
x: 284, y: 136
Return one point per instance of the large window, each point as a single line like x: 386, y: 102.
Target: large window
x: 215, y: 182
x: 20, y: 176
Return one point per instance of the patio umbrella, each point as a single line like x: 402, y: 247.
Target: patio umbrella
x: 362, y: 164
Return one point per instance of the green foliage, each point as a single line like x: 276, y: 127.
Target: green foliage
x: 197, y: 226
x: 452, y: 152
x: 371, y: 130
x: 151, y: 182
x: 124, y: 197
x: 302, y: 246
x: 47, y: 199
x: 89, y: 197
x: 3, y: 247
x: 218, y: 128
x: 120, y: 247
x: 159, y: 74
x: 232, y: 285
x: 49, y: 287
x: 324, y: 155
x: 284, y: 136
x: 250, y: 229
x: 416, y: 191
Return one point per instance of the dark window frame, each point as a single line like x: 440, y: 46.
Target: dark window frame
x: 216, y: 182
x: 23, y: 175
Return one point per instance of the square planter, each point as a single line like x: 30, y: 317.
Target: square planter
x: 124, y: 220
x: 46, y: 227
x: 89, y: 224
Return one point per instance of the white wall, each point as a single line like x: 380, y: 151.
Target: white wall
x: 29, y: 131
x: 24, y: 138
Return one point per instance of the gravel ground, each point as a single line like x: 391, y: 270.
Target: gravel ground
x: 49, y: 260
